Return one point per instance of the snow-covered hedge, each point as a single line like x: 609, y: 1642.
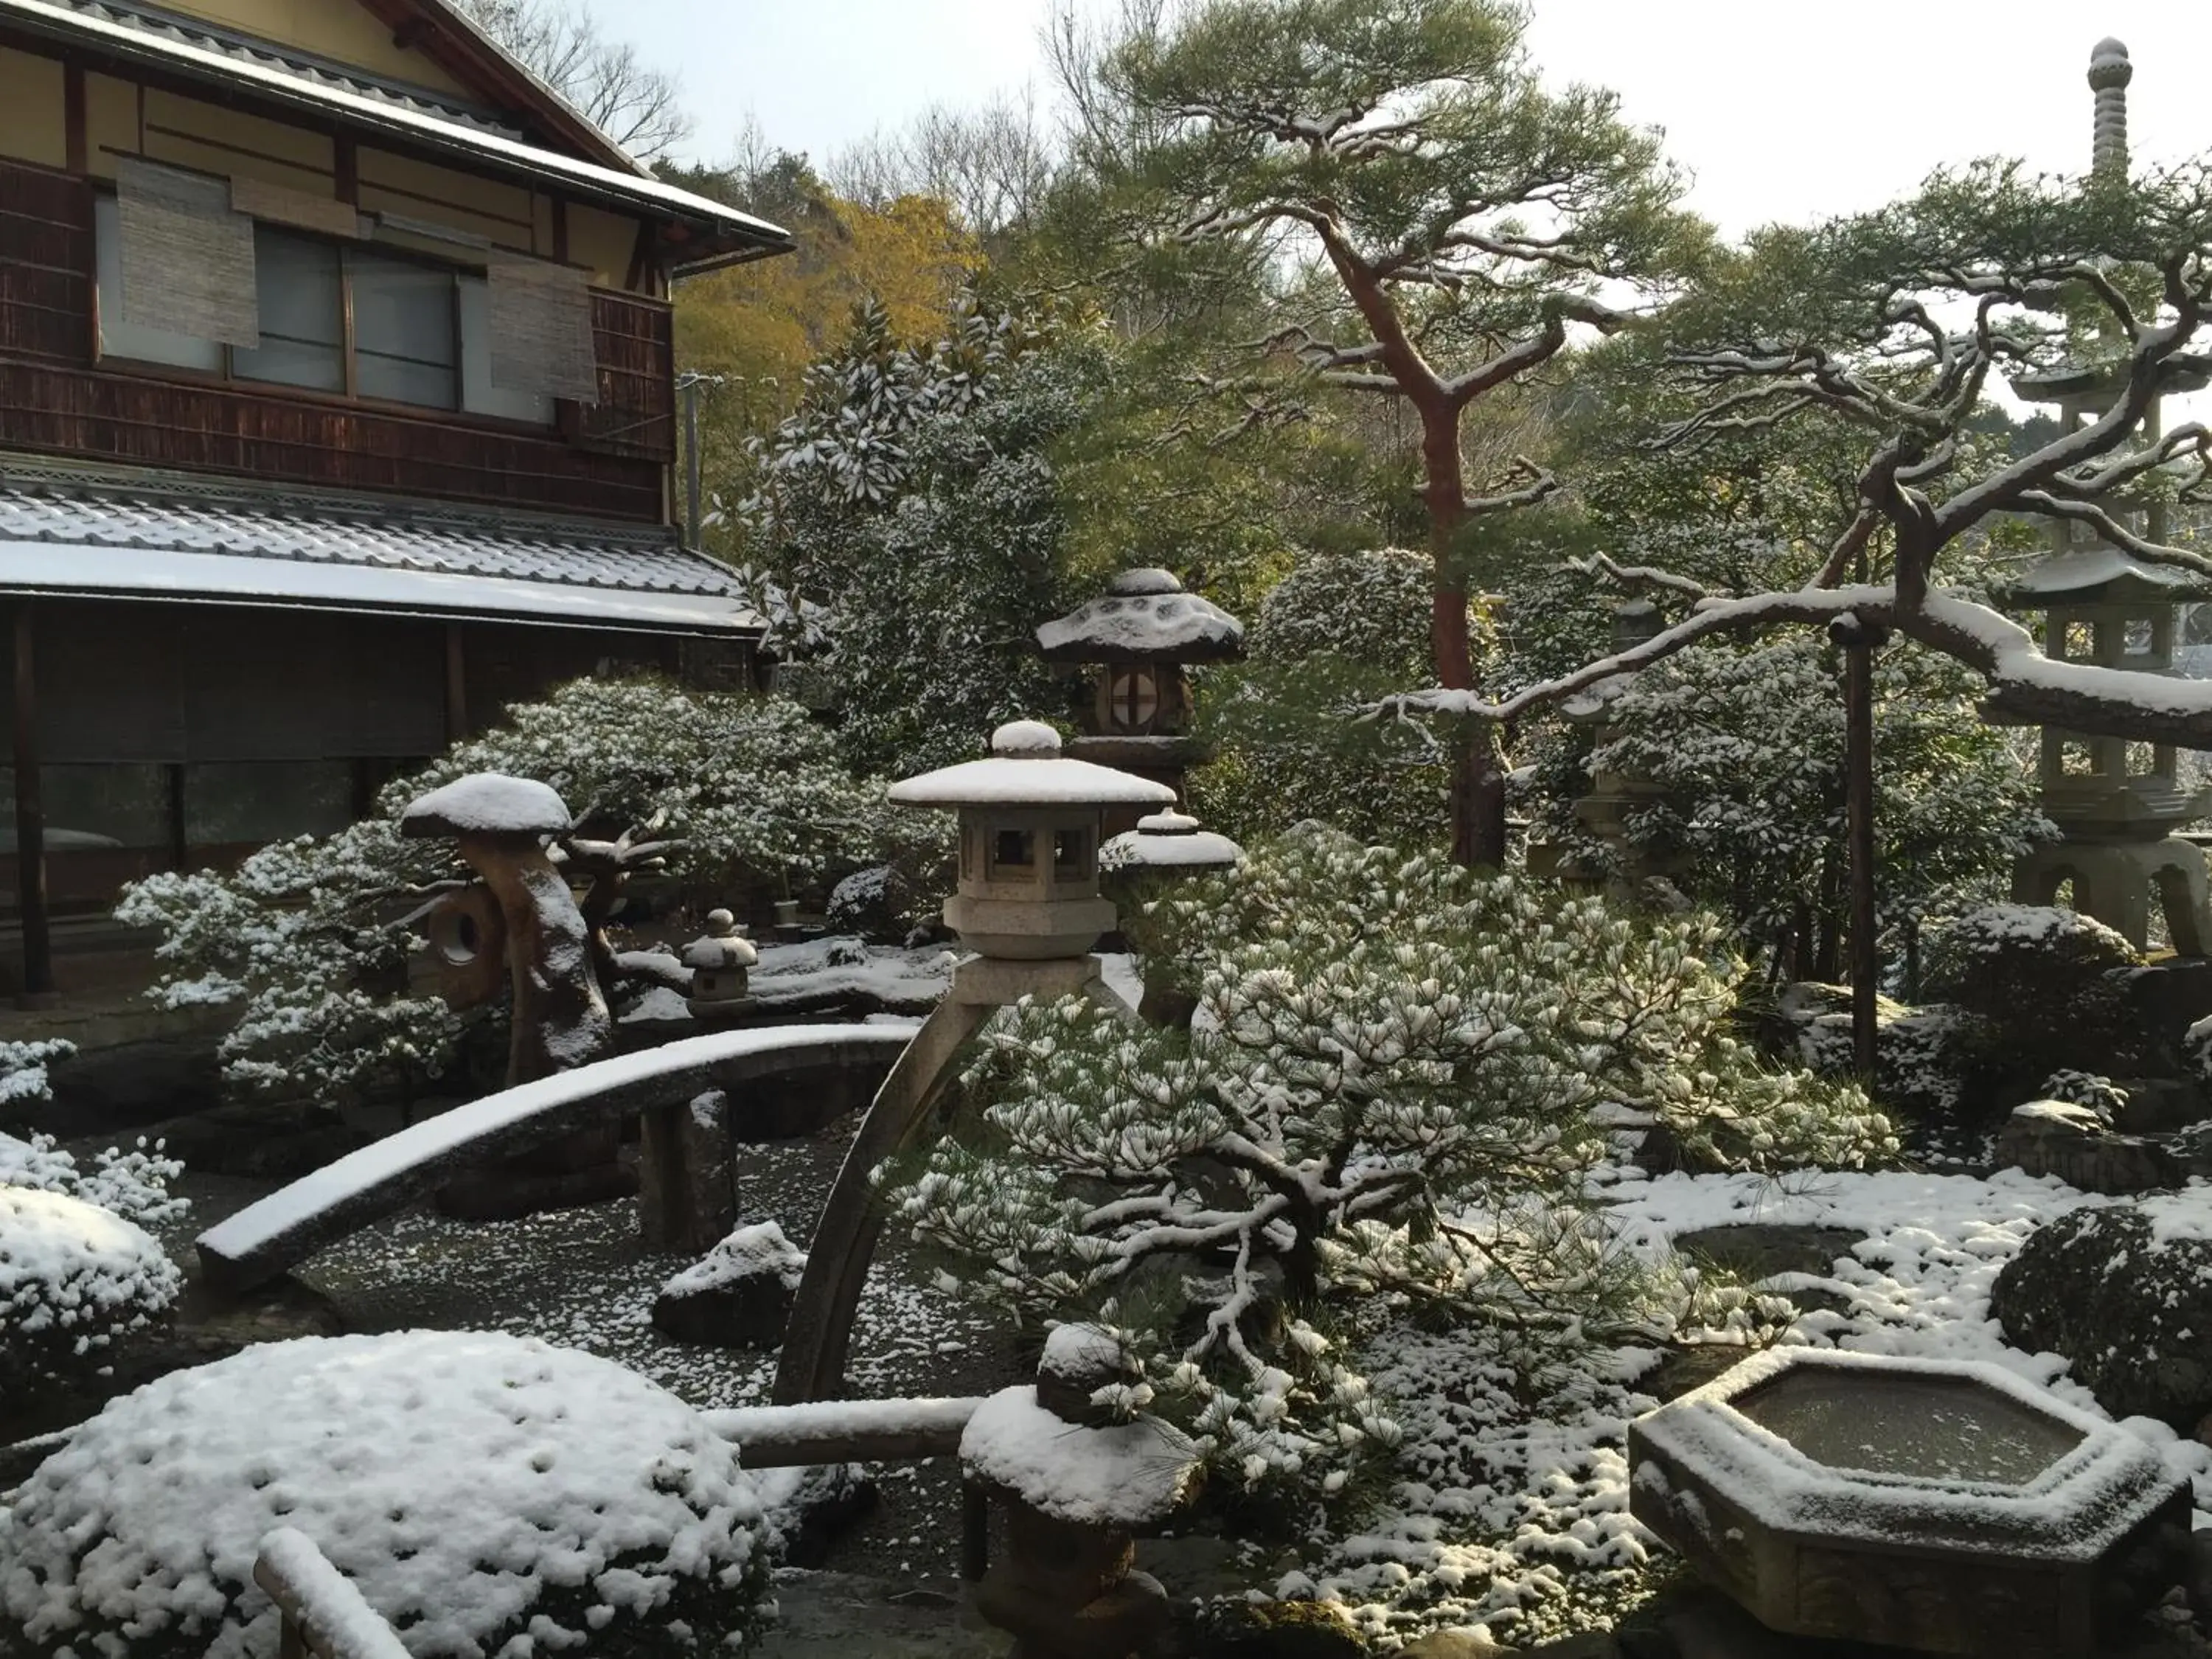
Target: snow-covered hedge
x: 1400, y: 1081
x: 488, y: 1494
x: 1744, y: 749
x: 307, y: 937
x: 74, y: 1278
x: 135, y: 1184
x: 1339, y: 629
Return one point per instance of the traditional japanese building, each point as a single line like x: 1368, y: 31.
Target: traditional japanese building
x: 336, y: 412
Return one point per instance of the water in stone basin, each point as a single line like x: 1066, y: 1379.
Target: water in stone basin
x: 1934, y: 1427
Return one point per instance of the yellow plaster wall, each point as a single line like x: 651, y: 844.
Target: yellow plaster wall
x: 111, y: 123
x: 602, y: 243
x: 459, y: 201
x: 214, y: 139
x: 331, y: 28
x: 33, y: 127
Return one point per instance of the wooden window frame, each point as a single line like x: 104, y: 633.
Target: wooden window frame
x: 351, y: 397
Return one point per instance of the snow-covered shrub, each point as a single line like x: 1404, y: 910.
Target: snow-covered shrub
x: 23, y: 1069
x: 487, y: 1494
x: 2098, y: 1092
x: 1399, y: 1079
x: 134, y: 1184
x: 309, y: 937
x: 1338, y: 631
x: 1921, y: 1053
x: 1744, y: 746
x: 2045, y: 984
x: 909, y: 517
x: 74, y: 1278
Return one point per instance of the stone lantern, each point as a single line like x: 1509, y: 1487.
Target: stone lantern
x: 1136, y: 641
x: 1030, y: 822
x: 720, y: 962
x: 2116, y: 802
x: 1169, y: 841
x: 1613, y: 796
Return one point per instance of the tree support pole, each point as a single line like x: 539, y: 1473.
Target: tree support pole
x: 1859, y: 641
x: 811, y: 1365
x: 38, y: 990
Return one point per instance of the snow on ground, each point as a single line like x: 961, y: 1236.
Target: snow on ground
x: 1508, y: 1517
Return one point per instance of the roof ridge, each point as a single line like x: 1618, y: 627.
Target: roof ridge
x: 223, y: 38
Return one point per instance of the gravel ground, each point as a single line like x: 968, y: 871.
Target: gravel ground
x: 582, y: 1277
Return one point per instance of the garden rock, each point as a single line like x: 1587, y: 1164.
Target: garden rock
x: 2125, y: 1290
x: 2072, y: 1141
x: 1452, y: 1644
x: 738, y: 1295
x: 1276, y: 1630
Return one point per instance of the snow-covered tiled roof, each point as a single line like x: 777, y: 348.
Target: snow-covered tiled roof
x: 176, y: 27
x: 98, y: 535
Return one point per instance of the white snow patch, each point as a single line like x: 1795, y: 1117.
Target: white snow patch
x: 749, y: 1253
x: 487, y: 804
x: 1133, y: 1474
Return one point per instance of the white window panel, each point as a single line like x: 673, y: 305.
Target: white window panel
x: 132, y: 340
x: 404, y: 326
x: 479, y: 395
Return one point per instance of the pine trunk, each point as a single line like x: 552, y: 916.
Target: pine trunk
x: 1478, y: 782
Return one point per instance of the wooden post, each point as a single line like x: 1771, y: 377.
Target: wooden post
x: 1859, y: 641
x: 457, y: 686
x: 31, y: 824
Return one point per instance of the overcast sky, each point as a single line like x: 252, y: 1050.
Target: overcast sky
x: 1782, y: 109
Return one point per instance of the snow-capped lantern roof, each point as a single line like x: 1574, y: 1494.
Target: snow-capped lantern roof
x: 486, y: 804
x: 723, y: 946
x: 1169, y: 841
x: 1144, y: 616
x: 1026, y: 768
x: 2104, y: 575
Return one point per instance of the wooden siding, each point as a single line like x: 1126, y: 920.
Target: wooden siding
x: 55, y: 398
x: 45, y: 264
x: 636, y: 410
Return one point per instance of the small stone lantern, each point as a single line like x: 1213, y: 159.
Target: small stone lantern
x: 1030, y: 821
x: 1137, y: 641
x: 720, y: 962
x: 1079, y: 1489
x: 1169, y: 841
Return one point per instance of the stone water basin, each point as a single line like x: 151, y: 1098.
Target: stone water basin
x: 1944, y: 1506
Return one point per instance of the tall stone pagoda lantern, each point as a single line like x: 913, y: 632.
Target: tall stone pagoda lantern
x: 2117, y: 804
x: 1137, y: 642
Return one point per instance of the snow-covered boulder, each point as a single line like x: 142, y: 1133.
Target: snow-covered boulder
x: 74, y: 1277
x: 878, y: 904
x: 488, y: 1494
x: 2125, y: 1290
x: 738, y: 1295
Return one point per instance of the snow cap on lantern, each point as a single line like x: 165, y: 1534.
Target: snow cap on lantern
x: 1029, y: 842
x: 1169, y: 841
x: 1137, y: 638
x: 720, y: 962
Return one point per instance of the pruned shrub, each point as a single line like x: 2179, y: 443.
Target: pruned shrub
x: 1400, y: 1081
x: 2045, y: 986
x: 488, y: 1494
x: 75, y: 1279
